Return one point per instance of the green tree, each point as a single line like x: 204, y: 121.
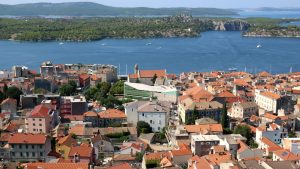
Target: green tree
x: 154, y: 78
x: 139, y: 156
x: 117, y: 88
x: 143, y: 127
x: 14, y: 93
x: 2, y: 96
x: 245, y: 131
x: 224, y: 118
x: 68, y: 89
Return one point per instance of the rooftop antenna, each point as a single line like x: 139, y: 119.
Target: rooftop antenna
x: 126, y: 70
x: 291, y: 69
x: 245, y: 68
x: 119, y: 69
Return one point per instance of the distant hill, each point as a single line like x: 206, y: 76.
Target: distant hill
x: 277, y: 9
x: 94, y: 9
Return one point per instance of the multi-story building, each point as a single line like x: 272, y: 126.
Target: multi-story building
x: 40, y: 120
x: 29, y: 147
x: 201, y: 144
x: 111, y: 117
x: 73, y: 105
x: 155, y: 113
x: 141, y: 91
x: 243, y: 110
x: 9, y: 106
x: 268, y: 100
x: 189, y: 111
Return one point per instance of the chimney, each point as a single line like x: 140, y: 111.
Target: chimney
x: 76, y: 158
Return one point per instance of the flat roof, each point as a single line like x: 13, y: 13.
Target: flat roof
x: 140, y: 86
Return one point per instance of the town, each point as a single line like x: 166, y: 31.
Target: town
x: 88, y: 116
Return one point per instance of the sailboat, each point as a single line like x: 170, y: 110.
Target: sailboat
x: 259, y: 44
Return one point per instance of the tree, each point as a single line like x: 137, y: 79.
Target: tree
x: 143, y: 127
x: 2, y: 96
x: 139, y: 156
x: 117, y: 88
x: 245, y: 131
x: 224, y: 118
x: 68, y: 89
x: 154, y: 78
x: 14, y: 93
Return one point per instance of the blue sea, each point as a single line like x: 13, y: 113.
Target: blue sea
x: 210, y: 51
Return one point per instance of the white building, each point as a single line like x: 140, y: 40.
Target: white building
x: 274, y: 133
x: 267, y: 100
x: 155, y: 113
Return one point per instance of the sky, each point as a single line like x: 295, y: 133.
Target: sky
x: 178, y: 3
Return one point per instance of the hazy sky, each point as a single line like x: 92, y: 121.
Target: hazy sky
x: 179, y: 3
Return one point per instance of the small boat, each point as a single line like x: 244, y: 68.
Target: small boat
x: 259, y: 46
x: 232, y: 69
x: 103, y: 44
x: 61, y: 43
x: 148, y: 43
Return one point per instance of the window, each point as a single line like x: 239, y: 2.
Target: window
x: 21, y: 154
x: 41, y: 146
x: 20, y: 146
x: 13, y: 146
x: 143, y: 114
x: 40, y: 119
x: 40, y: 130
x: 33, y: 124
x: 41, y: 154
x: 158, y: 128
x: 32, y: 146
x: 33, y: 119
x: 26, y: 146
x: 27, y: 154
x: 150, y: 121
x: 13, y: 154
x: 33, y: 129
x: 40, y: 125
x: 33, y: 154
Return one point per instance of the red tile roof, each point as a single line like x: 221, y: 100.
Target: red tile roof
x: 204, y: 128
x: 57, y: 165
x: 120, y: 166
x: 83, y: 151
x: 90, y: 114
x: 24, y: 138
x: 112, y: 114
x: 151, y: 73
x: 271, y: 95
x: 39, y: 111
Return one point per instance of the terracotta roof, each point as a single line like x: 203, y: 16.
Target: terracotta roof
x: 204, y: 128
x: 271, y: 95
x: 133, y: 76
x: 218, y: 148
x: 219, y: 158
x: 5, y: 137
x: 9, y: 100
x: 57, y: 165
x: 123, y: 157
x: 193, y: 90
x: 165, y: 162
x: 78, y: 129
x: 90, y: 114
x: 226, y: 94
x: 84, y: 76
x: 270, y: 116
x: 264, y: 74
x: 156, y: 156
x: 200, y: 163
x: 67, y: 140
x: 286, y: 155
x: 24, y: 138
x: 243, y: 146
x: 121, y: 166
x: 83, y: 151
x: 151, y: 73
x: 182, y: 152
x: 112, y: 114
x: 271, y: 145
x: 39, y: 111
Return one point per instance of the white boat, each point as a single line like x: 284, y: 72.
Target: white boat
x: 232, y: 69
x: 148, y: 43
x: 259, y: 46
x: 61, y: 43
x: 103, y: 44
